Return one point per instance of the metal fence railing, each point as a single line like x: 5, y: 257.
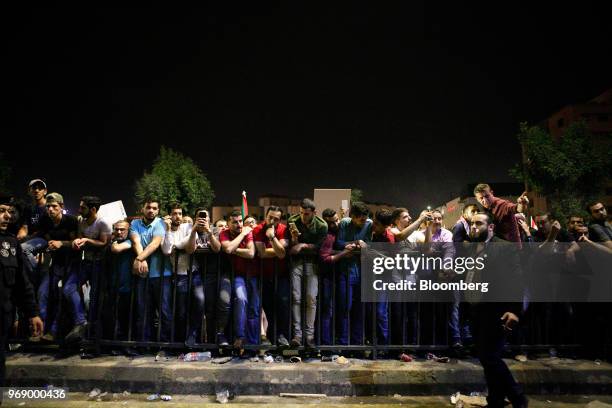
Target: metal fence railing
x: 129, y: 311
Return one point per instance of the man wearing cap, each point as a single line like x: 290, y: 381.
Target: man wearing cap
x: 32, y: 244
x: 15, y: 288
x: 59, y: 230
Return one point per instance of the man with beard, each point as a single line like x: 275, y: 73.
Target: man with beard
x: 461, y: 230
x: 178, y: 244
x: 329, y: 257
x: 59, y: 230
x: 122, y: 259
x: 238, y: 248
x: 307, y: 233
x: 353, y: 233
x: 271, y: 241
x: 153, y: 271
x: 493, y: 319
x: 600, y: 229
x: 15, y: 289
x: 94, y: 234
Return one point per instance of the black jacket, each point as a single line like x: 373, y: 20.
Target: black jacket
x: 15, y: 287
x: 504, y: 274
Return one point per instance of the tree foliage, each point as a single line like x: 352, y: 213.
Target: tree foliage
x: 569, y: 171
x: 175, y: 177
x: 356, y: 195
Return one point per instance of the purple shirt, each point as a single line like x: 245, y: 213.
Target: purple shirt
x: 445, y: 237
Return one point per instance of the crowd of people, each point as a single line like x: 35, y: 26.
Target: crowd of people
x: 240, y: 281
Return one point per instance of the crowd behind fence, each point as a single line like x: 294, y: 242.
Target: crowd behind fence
x: 409, y: 326
x: 296, y: 282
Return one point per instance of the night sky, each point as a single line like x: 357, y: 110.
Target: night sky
x: 408, y: 104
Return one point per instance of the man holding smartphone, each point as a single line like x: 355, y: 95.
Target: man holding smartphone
x: 307, y: 234
x: 271, y: 241
x: 204, y: 273
x: 237, y: 245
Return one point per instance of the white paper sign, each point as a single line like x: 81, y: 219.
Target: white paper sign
x: 112, y: 212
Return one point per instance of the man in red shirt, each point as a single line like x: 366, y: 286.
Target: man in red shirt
x: 237, y: 245
x: 506, y: 225
x: 271, y: 241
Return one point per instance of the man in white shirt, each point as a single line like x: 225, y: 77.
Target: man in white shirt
x: 180, y: 242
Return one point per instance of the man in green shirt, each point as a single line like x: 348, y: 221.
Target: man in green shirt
x: 307, y: 233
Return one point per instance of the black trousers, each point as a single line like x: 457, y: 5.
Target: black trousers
x: 489, y: 338
x: 6, y: 322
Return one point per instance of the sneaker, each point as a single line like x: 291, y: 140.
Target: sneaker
x: 310, y: 342
x: 238, y: 343
x: 77, y: 333
x: 34, y: 339
x: 222, y: 340
x: 296, y: 342
x: 48, y: 338
x: 264, y: 341
x: 282, y: 341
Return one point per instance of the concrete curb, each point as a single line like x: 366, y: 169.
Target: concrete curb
x: 360, y: 377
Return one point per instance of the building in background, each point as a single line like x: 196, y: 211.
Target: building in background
x: 291, y: 205
x: 597, y: 115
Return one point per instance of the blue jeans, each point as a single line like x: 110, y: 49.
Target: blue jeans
x: 458, y: 324
x: 148, y: 292
x: 195, y: 302
x: 48, y: 291
x: 381, y: 318
x: 278, y: 314
x: 31, y: 249
x: 88, y: 271
x: 246, y: 316
x: 349, y: 310
x: 223, y: 302
x: 327, y: 308
x: 72, y: 286
x: 48, y: 282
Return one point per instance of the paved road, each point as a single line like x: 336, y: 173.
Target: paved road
x: 137, y: 400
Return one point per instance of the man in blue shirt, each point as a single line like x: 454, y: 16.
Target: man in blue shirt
x: 353, y: 233
x: 152, y: 269
x: 122, y: 259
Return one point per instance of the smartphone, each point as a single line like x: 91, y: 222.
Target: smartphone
x: 203, y: 214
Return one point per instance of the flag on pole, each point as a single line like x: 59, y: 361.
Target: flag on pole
x: 533, y: 224
x: 245, y: 206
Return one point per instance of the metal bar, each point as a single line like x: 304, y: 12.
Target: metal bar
x: 172, y: 328
x: 260, y: 289
x: 318, y: 303
x: 146, y: 309
x: 333, y: 305
x: 189, y: 299
x: 116, y: 284
x: 275, y: 303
